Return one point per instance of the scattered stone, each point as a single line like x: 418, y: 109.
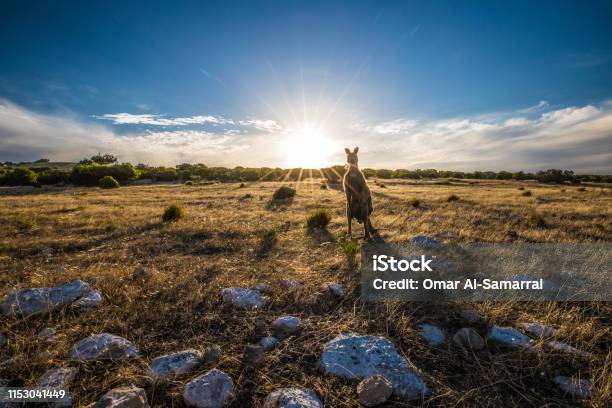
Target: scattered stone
x: 580, y: 388
x: 260, y: 327
x: 263, y: 287
x: 212, y: 356
x: 243, y: 298
x: 143, y: 272
x: 44, y: 355
x: 539, y: 330
x: 175, y: 364
x: 356, y: 357
x: 211, y: 390
x: 60, y: 377
x: 469, y: 339
x: 103, y: 346
x: 423, y: 240
x: 566, y: 348
x: 291, y: 284
x: 292, y: 398
x: 47, y: 333
x: 471, y: 315
x: 433, y: 335
x: 337, y: 289
x: 253, y: 355
x: 374, y: 391
x: 268, y: 343
x: 286, y: 326
x: 3, y: 340
x: 32, y: 301
x: 124, y: 397
x: 509, y: 336
x: 89, y: 301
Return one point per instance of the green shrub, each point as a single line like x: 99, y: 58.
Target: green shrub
x: 89, y: 174
x: 349, y: 248
x: 53, y: 176
x: 108, y: 182
x: 452, y: 198
x: 283, y: 193
x: 20, y: 177
x: 414, y: 202
x: 318, y: 219
x: 174, y: 212
x: 267, y: 240
x: 526, y: 193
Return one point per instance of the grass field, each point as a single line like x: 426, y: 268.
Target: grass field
x: 55, y: 235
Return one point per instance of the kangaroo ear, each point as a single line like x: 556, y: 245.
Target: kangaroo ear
x: 356, y: 149
x: 347, y: 150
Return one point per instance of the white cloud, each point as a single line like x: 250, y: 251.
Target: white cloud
x: 261, y: 124
x: 393, y: 127
x: 160, y: 120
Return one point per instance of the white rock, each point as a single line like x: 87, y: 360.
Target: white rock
x: 433, y: 335
x: 124, y: 397
x: 103, y: 346
x: 422, y: 240
x: 292, y: 284
x: 292, y: 398
x: 211, y: 390
x: 89, y: 301
x: 263, y: 287
x: 539, y: 330
x: 47, y: 333
x: 60, y: 377
x: 576, y: 387
x: 566, y: 348
x: 509, y: 336
x: 243, y: 298
x: 41, y: 300
x: 268, y: 343
x: 286, y: 326
x: 337, y: 289
x: 356, y: 357
x: 175, y: 364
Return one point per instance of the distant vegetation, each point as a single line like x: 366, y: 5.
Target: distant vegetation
x: 89, y: 171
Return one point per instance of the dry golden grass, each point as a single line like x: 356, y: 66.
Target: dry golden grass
x: 52, y: 236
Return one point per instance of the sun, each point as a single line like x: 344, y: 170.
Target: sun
x: 308, y: 147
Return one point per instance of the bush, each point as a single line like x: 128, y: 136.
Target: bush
x: 242, y: 185
x: 53, y: 176
x: 521, y: 188
x: 89, y: 174
x: 20, y: 177
x: 174, y: 212
x: 526, y: 193
x: 108, y: 182
x: 267, y: 240
x: 318, y: 219
x: 189, y: 183
x: 452, y: 198
x: 414, y: 202
x: 283, y: 193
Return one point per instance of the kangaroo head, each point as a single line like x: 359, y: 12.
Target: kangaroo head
x: 351, y: 157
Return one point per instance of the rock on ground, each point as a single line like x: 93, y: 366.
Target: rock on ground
x: 211, y: 390
x: 124, y: 397
x: 337, y: 289
x: 580, y: 388
x: 356, y: 357
x: 291, y: 284
x: 143, y: 272
x: 539, y: 330
x: 60, y: 377
x: 175, y: 364
x: 253, y: 355
x: 89, y: 301
x: 3, y: 340
x: 469, y: 339
x: 423, y: 240
x: 566, y: 348
x: 263, y: 287
x: 268, y: 343
x: 286, y: 326
x: 33, y: 301
x: 374, y: 391
x: 471, y: 315
x: 103, y: 346
x: 509, y: 336
x: 432, y: 334
x: 292, y: 398
x: 46, y: 333
x: 243, y: 298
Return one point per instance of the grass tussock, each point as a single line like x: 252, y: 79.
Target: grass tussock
x: 268, y: 239
x: 451, y: 198
x: 283, y: 193
x: 414, y: 202
x: 108, y: 182
x: 527, y: 193
x: 172, y: 213
x: 318, y: 219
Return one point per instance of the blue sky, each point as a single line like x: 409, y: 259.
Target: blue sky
x: 415, y: 84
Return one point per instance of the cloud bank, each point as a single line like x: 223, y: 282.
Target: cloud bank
x: 578, y: 138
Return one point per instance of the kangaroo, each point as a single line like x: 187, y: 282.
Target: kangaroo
x: 358, y: 197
